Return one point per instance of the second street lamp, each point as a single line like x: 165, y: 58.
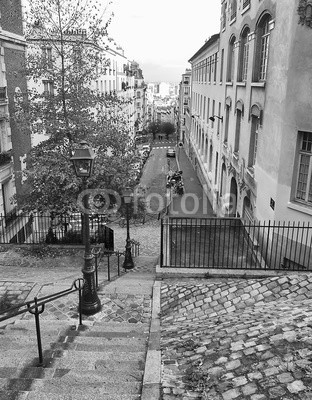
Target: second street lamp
x: 83, y: 160
x: 128, y: 262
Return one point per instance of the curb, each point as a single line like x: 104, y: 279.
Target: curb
x: 152, y: 371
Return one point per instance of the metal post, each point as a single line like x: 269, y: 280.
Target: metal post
x: 96, y: 271
x: 128, y: 262
x: 90, y: 301
x: 108, y: 267
x: 118, y: 263
x: 36, y: 313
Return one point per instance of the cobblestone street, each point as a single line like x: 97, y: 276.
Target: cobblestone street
x: 243, y: 339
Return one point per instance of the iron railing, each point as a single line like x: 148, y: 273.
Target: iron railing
x: 233, y: 244
x: 100, y: 252
x: 37, y: 306
x: 54, y: 229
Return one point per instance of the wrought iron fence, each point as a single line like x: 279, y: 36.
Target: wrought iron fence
x: 232, y: 243
x: 54, y: 229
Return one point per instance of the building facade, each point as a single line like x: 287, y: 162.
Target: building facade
x: 14, y: 144
x: 183, y: 118
x: 140, y: 98
x: 260, y: 165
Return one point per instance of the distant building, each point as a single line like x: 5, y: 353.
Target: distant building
x: 140, y: 106
x: 118, y: 78
x: 184, y: 115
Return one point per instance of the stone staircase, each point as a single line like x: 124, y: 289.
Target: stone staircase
x: 104, y: 360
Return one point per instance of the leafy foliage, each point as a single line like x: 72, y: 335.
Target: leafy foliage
x: 66, y: 56
x: 167, y: 128
x: 153, y: 128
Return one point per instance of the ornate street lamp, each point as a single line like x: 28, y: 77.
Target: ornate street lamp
x: 127, y: 198
x: 83, y: 161
x: 215, y: 116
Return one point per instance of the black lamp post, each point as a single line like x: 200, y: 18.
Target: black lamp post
x: 215, y: 116
x: 127, y: 198
x: 83, y: 160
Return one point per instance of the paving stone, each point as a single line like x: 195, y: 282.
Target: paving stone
x: 231, y: 394
x: 296, y: 386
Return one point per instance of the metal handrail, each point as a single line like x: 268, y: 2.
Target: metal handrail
x: 135, y: 248
x: 37, y: 306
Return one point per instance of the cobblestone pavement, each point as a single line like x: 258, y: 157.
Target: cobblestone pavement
x: 240, y: 339
x: 118, y: 308
x: 12, y: 293
x: 148, y: 235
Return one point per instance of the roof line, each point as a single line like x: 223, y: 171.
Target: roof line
x: 209, y: 42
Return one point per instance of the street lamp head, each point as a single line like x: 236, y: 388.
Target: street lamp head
x: 127, y: 195
x: 215, y: 116
x: 83, y: 160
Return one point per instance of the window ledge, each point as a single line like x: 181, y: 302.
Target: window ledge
x: 240, y: 83
x: 236, y: 155
x: 258, y: 84
x: 299, y: 207
x: 223, y: 30
x: 229, y: 83
x: 232, y: 21
x: 245, y: 9
x: 251, y: 172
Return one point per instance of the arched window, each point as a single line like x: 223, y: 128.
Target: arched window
x: 247, y: 210
x: 239, y: 110
x: 206, y: 151
x: 226, y: 129
x: 231, y: 60
x: 223, y: 180
x: 210, y: 157
x: 262, y: 48
x: 253, y: 143
x: 243, y: 56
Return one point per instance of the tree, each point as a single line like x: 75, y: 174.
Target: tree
x: 167, y: 128
x: 153, y: 128
x: 67, y: 42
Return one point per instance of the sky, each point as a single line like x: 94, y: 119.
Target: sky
x: 163, y: 35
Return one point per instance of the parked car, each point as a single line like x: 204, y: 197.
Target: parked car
x: 171, y: 152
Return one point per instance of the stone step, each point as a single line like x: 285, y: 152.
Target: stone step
x: 75, y: 389
x: 72, y: 377
x: 30, y: 346
x: 118, y: 368
x: 13, y: 395
x: 88, y: 358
